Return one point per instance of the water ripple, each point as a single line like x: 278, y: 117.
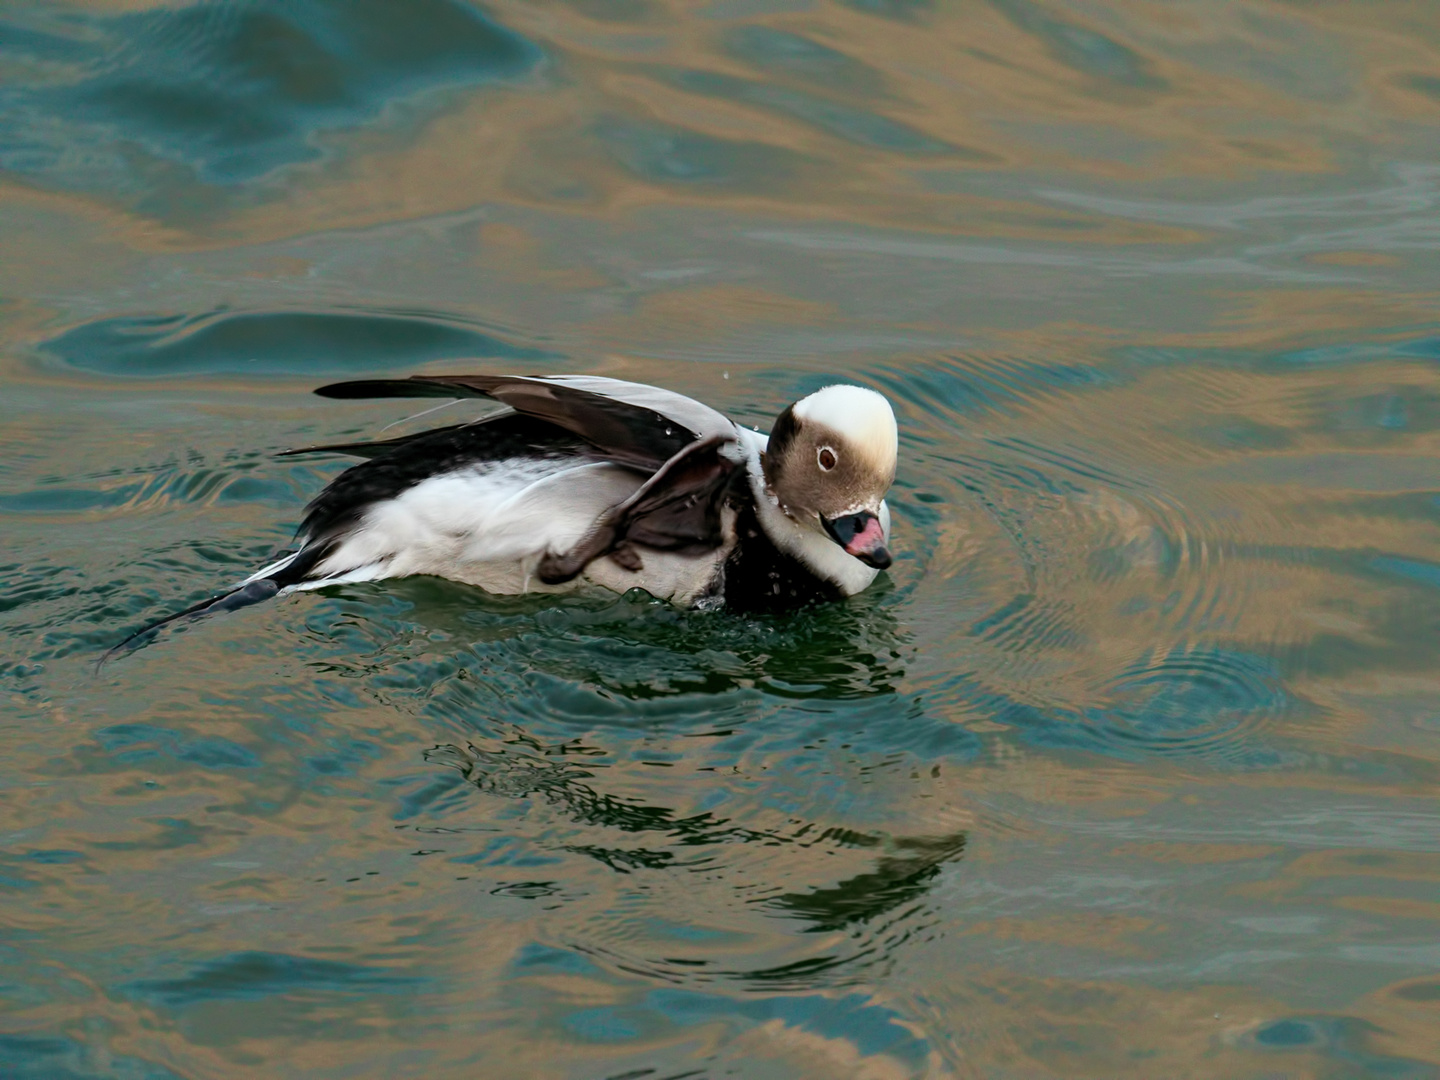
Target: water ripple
x: 278, y: 342
x: 726, y: 868
x: 226, y: 91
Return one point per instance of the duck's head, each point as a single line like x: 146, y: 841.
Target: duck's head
x: 830, y: 460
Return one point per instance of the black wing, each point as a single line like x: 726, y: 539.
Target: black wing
x: 676, y: 509
x: 630, y: 423
x: 372, y: 449
x: 678, y: 442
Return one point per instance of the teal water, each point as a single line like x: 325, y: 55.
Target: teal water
x: 1128, y: 768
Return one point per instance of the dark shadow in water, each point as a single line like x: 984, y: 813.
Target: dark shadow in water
x: 877, y: 1029
x: 520, y: 774
x: 225, y: 92
x: 899, y: 878
x: 1340, y: 1038
x: 131, y: 744
x: 669, y: 155
x: 615, y: 11
x: 860, y: 126
x: 36, y: 1057
x: 639, y: 650
x: 783, y: 53
x: 905, y: 870
x: 900, y: 10
x: 250, y: 975
x: 262, y: 343
x: 1082, y: 49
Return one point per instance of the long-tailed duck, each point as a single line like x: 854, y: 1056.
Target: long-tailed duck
x: 587, y: 479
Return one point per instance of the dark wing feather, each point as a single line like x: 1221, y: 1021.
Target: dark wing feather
x: 416, y: 386
x: 676, y: 509
x: 631, y: 424
x: 373, y: 449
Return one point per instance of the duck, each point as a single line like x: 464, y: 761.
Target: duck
x: 583, y: 480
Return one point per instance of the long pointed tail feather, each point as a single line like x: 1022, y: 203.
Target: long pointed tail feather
x: 284, y: 574
x: 252, y: 593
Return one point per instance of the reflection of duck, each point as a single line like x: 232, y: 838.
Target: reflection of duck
x: 640, y: 656
x: 615, y: 483
x: 901, y: 875
x: 783, y: 867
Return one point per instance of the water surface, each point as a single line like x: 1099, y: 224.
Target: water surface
x: 1128, y: 768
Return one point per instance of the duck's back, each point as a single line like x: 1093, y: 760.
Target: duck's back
x: 483, y: 503
x: 479, y: 503
x: 584, y: 480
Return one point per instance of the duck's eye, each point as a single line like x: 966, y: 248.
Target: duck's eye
x: 827, y: 458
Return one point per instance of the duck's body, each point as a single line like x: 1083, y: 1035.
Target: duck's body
x: 589, y: 480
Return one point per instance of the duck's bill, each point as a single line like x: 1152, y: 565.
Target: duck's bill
x: 860, y: 535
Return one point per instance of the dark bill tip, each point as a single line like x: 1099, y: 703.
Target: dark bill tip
x: 861, y: 536
x: 879, y: 558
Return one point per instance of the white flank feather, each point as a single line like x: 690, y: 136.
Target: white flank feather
x: 467, y: 525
